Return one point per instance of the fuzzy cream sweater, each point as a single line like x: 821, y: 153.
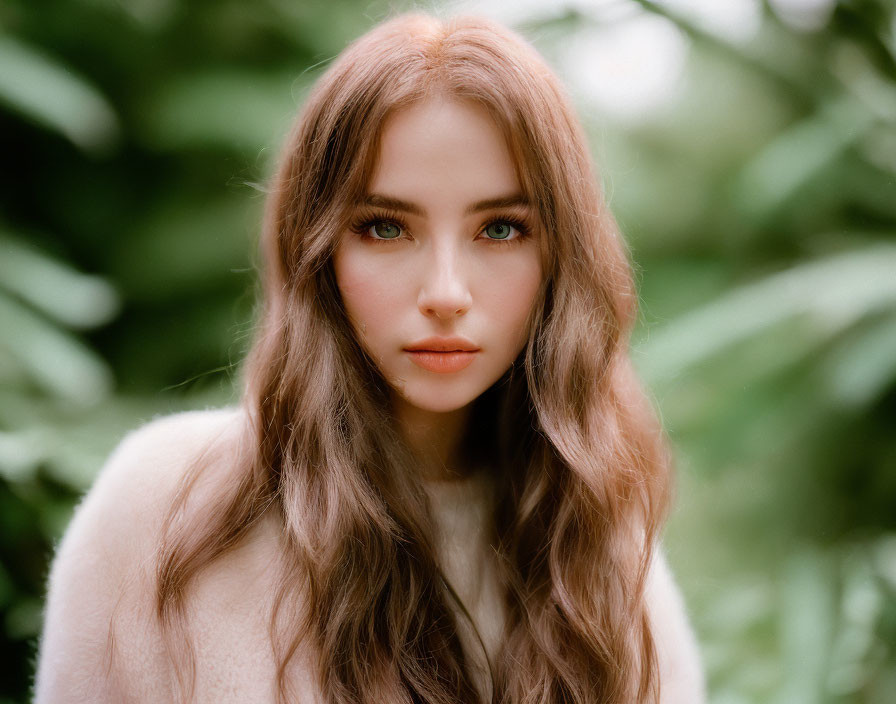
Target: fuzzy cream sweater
x: 104, y: 567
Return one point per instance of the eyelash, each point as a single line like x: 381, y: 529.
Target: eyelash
x: 368, y: 219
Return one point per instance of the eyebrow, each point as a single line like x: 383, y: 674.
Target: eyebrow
x: 383, y: 201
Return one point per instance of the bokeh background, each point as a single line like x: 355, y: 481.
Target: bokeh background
x: 748, y: 150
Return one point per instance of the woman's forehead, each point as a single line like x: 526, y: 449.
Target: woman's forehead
x: 439, y: 145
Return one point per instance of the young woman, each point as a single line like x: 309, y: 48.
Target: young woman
x: 444, y: 483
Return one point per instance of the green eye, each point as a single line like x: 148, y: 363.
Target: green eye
x: 499, y: 230
x: 386, y: 230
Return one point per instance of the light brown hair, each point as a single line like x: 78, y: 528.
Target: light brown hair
x: 577, y: 454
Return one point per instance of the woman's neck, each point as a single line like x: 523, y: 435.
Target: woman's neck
x: 437, y: 440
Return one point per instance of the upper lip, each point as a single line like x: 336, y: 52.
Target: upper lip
x: 443, y: 344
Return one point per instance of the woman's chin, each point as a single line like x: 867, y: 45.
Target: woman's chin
x: 434, y: 402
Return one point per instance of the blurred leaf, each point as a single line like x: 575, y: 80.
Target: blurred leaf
x: 860, y: 610
x: 835, y: 292
x: 19, y: 458
x: 861, y: 80
x: 52, y: 95
x: 797, y: 154
x: 24, y: 618
x: 807, y: 604
x: 663, y: 295
x: 11, y: 371
x: 879, y: 148
x: 59, y: 448
x: 863, y: 366
x: 184, y: 247
x: 236, y: 110
x: 739, y: 609
x: 55, y: 360
x: 76, y: 300
x: 885, y: 559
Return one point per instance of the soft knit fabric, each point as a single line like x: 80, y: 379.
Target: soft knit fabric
x: 468, y: 563
x: 104, y: 567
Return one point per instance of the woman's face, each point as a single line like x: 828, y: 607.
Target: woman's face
x: 442, y: 246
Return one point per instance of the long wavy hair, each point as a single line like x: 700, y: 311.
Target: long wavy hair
x: 576, y: 452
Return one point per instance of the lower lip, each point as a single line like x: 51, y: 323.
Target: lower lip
x: 442, y: 362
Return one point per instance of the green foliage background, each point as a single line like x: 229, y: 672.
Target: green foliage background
x: 760, y: 207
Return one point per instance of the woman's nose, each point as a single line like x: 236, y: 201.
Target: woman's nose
x: 444, y: 291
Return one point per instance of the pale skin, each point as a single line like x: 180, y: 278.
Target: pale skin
x: 452, y: 267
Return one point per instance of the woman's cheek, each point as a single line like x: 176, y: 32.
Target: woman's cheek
x: 514, y: 286
x: 369, y: 296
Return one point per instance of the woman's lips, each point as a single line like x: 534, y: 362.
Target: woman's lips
x: 442, y: 362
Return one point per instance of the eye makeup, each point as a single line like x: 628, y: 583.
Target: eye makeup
x: 367, y: 217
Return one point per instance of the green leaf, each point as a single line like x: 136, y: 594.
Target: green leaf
x: 864, y: 365
x: 53, y: 358
x: 68, y: 296
x: 773, y: 176
x: 24, y: 618
x: 185, y: 246
x: 19, y: 457
x: 807, y: 605
x: 52, y: 95
x: 237, y: 110
x: 833, y: 292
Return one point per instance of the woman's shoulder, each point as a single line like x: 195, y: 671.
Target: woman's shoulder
x: 150, y: 463
x: 106, y: 559
x: 130, y: 499
x: 168, y: 442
